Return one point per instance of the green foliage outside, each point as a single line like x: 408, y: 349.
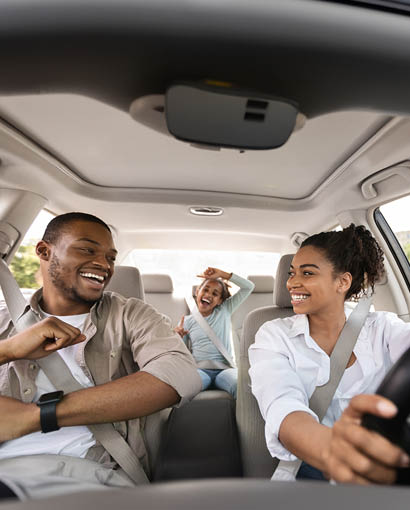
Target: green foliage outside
x: 406, y: 249
x: 24, y: 267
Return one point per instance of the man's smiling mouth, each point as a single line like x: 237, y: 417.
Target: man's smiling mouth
x: 94, y: 277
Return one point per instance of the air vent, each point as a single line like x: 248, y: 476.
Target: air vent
x: 206, y: 211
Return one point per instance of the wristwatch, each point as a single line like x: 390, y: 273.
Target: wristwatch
x: 47, y: 404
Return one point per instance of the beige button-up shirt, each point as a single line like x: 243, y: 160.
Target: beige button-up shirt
x: 122, y: 336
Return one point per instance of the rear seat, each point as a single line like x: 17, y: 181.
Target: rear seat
x: 158, y: 289
x: 200, y: 439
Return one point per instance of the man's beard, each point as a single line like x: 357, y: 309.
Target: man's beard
x: 55, y: 271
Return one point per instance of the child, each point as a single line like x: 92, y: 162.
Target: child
x: 216, y: 305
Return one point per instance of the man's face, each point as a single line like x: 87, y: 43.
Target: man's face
x: 81, y: 262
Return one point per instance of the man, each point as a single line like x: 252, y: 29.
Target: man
x: 127, y: 358
x: 362, y: 456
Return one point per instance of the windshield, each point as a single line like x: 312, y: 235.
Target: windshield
x: 396, y: 5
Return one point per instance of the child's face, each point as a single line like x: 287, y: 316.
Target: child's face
x: 208, y: 296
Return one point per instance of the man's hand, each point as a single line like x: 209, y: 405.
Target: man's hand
x: 180, y: 328
x: 358, y: 455
x: 39, y: 340
x: 17, y: 419
x: 212, y: 273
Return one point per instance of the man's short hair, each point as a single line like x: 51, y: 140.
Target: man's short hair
x: 58, y: 224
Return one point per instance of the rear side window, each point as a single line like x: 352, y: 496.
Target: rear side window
x: 25, y: 265
x: 393, y: 221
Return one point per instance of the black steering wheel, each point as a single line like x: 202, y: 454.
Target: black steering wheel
x: 396, y: 387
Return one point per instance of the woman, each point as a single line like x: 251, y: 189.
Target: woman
x: 290, y: 357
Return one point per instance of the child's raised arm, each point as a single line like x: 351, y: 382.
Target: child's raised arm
x: 212, y: 273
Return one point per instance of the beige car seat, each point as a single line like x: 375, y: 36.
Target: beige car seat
x: 256, y: 460
x: 262, y: 295
x: 159, y: 292
x: 126, y: 281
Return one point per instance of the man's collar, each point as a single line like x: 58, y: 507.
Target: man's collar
x: 38, y: 295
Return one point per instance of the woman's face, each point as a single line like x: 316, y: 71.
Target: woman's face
x: 312, y: 284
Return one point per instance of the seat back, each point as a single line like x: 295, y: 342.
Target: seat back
x: 262, y: 295
x: 158, y: 290
x: 256, y: 459
x: 126, y: 281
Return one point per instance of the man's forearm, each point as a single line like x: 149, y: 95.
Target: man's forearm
x: 3, y: 352
x: 303, y: 436
x: 132, y: 396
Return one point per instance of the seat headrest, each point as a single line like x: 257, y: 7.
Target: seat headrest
x: 157, y: 283
x: 281, y: 296
x: 263, y: 283
x: 126, y: 280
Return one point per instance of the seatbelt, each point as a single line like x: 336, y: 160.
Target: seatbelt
x: 61, y: 377
x: 322, y: 396
x: 210, y: 333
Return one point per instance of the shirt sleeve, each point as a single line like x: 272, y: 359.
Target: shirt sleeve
x: 245, y: 289
x: 158, y: 350
x: 397, y: 335
x: 276, y: 384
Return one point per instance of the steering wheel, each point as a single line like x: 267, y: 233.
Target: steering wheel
x: 396, y: 387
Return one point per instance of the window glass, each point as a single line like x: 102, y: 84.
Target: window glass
x: 397, y: 215
x: 184, y: 265
x: 25, y: 265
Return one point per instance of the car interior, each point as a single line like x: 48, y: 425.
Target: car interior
x: 224, y: 125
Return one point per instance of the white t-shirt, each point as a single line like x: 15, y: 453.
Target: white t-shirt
x: 287, y: 365
x: 71, y: 441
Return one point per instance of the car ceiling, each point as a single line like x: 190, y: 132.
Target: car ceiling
x: 69, y: 73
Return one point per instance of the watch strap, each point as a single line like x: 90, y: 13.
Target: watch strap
x: 48, y: 417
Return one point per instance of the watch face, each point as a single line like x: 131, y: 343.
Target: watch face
x: 54, y: 396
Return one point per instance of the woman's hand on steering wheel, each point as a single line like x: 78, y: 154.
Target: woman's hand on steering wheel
x: 359, y: 455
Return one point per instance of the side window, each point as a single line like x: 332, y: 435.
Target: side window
x: 25, y: 265
x: 393, y: 221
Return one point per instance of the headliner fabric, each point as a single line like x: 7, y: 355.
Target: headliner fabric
x: 126, y: 281
x: 281, y: 294
x: 157, y: 283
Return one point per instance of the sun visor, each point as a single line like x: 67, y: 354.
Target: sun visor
x: 224, y: 116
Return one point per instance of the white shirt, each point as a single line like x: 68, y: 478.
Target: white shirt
x: 71, y: 441
x: 287, y: 365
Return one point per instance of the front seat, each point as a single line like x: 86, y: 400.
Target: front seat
x: 256, y: 459
x: 126, y: 281
x: 262, y: 295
